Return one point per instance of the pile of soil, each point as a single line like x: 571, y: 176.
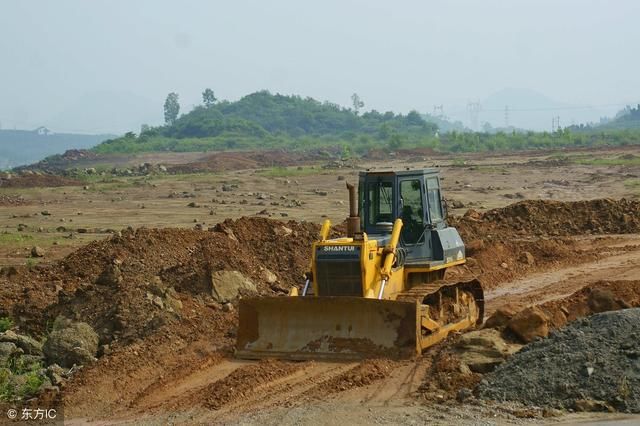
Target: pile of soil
x: 112, y: 284
x: 595, y: 298
x: 36, y: 180
x: 592, y: 364
x: 446, y: 374
x: 555, y: 218
x: 498, y: 260
x: 224, y: 161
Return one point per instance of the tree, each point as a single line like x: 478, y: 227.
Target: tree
x: 357, y: 103
x: 171, y: 108
x: 208, y: 97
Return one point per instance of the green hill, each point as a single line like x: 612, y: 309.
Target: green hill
x: 262, y: 120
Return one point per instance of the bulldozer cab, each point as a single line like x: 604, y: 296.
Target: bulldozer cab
x: 413, y: 196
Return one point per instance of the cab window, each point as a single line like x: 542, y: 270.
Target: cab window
x: 380, y: 196
x: 412, y: 212
x: 433, y: 198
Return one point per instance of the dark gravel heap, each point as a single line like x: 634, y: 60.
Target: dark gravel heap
x: 595, y: 359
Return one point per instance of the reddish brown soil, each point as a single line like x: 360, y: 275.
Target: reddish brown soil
x: 363, y: 374
x: 147, y: 351
x: 553, y: 218
x: 222, y: 161
x: 446, y: 375
x: 620, y: 294
x: 242, y: 381
x: 29, y: 180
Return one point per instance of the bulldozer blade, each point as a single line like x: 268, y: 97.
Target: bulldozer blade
x: 327, y: 328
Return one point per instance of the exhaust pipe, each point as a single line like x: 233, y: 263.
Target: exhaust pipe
x: 353, y: 221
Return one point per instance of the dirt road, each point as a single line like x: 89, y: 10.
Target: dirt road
x: 227, y: 390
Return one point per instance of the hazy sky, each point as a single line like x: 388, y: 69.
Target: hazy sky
x: 66, y: 63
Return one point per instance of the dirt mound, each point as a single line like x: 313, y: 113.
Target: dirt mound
x: 495, y: 261
x: 129, y: 285
x: 33, y: 180
x: 556, y: 218
x: 446, y: 374
x: 223, y: 161
x: 592, y: 364
x: 598, y: 297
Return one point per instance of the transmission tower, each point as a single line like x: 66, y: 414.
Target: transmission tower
x: 438, y: 111
x: 473, y: 108
x: 506, y: 116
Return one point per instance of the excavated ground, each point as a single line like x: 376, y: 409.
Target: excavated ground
x: 177, y: 365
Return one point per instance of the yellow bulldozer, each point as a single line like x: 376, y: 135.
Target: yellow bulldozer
x: 379, y: 290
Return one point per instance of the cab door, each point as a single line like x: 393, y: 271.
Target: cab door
x: 413, y: 212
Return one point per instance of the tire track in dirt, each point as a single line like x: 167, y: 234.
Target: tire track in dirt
x: 546, y: 286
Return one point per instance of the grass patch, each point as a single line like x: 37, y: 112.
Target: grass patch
x: 631, y: 160
x: 20, y: 379
x: 9, y: 239
x: 5, y: 324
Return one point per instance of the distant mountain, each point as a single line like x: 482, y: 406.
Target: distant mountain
x: 532, y: 110
x: 107, y: 112
x: 18, y: 147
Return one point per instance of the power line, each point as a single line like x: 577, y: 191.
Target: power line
x: 565, y: 108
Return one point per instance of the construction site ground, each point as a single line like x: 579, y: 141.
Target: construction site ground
x: 542, y: 229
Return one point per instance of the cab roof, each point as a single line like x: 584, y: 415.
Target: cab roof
x: 410, y: 172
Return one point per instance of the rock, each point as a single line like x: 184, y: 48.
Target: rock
x: 473, y: 215
x: 340, y: 177
x: 464, y: 394
x: 37, y: 251
x: 56, y: 374
x: 483, y: 350
x: 71, y: 343
x: 527, y: 258
x: 157, y: 300
x: 7, y: 351
x: 172, y: 303
x: 501, y: 317
x: 269, y: 276
x: 601, y: 300
x: 473, y: 247
x: 45, y: 213
x: 229, y: 285
x: 110, y: 276
x: 590, y: 405
x: 227, y: 307
x: 9, y: 336
x: 227, y: 188
x: 457, y: 204
x: 529, y: 323
x: 504, y: 265
x: 29, y: 345
x: 282, y: 231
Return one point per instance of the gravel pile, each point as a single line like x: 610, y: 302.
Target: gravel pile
x: 592, y: 364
